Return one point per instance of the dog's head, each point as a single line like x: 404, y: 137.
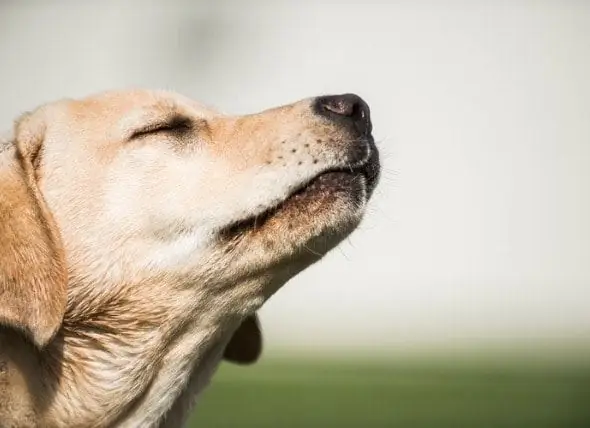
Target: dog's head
x: 132, y: 187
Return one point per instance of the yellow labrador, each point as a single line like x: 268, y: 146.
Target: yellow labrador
x: 139, y: 234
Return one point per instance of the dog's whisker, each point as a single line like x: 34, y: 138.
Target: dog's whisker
x: 315, y: 253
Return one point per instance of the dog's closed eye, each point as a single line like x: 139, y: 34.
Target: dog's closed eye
x: 175, y: 124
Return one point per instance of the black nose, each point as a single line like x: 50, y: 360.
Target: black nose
x: 349, y: 109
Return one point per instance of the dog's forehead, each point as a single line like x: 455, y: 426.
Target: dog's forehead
x: 125, y: 100
x: 142, y: 105
x: 117, y: 113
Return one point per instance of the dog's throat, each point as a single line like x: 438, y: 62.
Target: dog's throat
x: 108, y: 357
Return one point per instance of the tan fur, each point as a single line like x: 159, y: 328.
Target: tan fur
x: 125, y: 276
x: 34, y: 277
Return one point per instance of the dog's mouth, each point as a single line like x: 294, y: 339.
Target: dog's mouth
x: 355, y: 183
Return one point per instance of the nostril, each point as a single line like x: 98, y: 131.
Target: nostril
x: 348, y: 107
x: 341, y: 106
x: 344, y: 105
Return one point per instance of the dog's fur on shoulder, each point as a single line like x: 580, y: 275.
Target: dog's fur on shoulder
x: 141, y: 231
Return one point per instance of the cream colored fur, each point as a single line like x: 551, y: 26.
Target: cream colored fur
x: 121, y: 278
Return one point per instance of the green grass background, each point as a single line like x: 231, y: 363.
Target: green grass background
x: 425, y: 393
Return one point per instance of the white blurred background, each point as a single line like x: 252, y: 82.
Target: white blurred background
x: 479, y: 234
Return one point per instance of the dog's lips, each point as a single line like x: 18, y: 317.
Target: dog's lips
x: 356, y: 182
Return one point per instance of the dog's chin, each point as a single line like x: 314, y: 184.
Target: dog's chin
x: 312, y: 220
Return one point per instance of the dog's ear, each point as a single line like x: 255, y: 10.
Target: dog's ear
x: 245, y: 345
x: 33, y: 273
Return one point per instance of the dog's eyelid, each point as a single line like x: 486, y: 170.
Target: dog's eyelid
x: 172, y: 124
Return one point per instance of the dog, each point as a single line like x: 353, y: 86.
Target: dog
x: 141, y: 231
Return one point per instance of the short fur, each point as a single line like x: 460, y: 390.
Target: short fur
x: 139, y: 234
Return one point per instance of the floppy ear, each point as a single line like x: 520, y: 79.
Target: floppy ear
x: 245, y: 345
x: 33, y: 273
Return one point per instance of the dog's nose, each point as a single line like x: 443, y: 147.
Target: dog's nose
x: 348, y: 108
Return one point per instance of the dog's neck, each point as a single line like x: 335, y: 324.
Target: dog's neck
x: 145, y: 354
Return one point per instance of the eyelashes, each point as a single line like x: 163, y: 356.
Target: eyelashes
x: 179, y: 125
